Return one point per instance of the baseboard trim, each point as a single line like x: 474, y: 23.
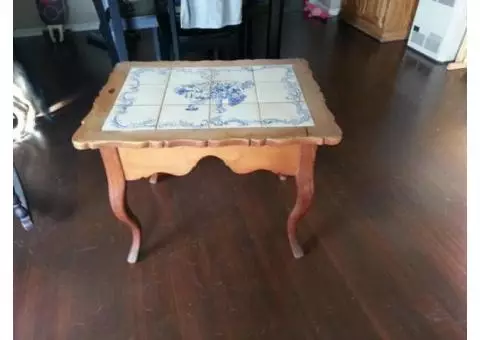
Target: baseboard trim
x: 36, y: 31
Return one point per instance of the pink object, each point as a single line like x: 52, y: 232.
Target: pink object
x: 314, y: 11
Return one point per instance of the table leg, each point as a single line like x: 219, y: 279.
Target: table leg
x: 117, y: 194
x: 153, y: 179
x: 305, y: 187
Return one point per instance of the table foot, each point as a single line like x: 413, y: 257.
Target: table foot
x: 117, y: 193
x: 305, y: 188
x: 154, y: 178
x: 297, y: 250
x: 135, y: 247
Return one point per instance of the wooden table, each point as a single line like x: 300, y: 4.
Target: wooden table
x: 132, y: 151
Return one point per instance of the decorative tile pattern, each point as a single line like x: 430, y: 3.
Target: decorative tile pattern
x: 141, y: 95
x: 188, y: 94
x: 132, y: 118
x: 217, y: 97
x: 232, y: 74
x: 147, y: 76
x: 274, y: 73
x: 225, y: 95
x: 278, y: 92
x: 285, y: 114
x: 190, y: 75
x: 242, y: 115
x: 179, y: 117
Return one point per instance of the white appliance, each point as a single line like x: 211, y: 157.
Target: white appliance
x: 438, y: 28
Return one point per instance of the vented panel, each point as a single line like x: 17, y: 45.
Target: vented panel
x: 449, y: 3
x: 417, y: 38
x: 433, y: 42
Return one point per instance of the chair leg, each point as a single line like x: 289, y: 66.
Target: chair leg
x: 156, y: 44
x: 173, y: 29
x: 22, y: 213
x: 104, y: 29
x: 116, y: 27
x: 278, y: 46
x: 20, y: 206
x: 269, y: 28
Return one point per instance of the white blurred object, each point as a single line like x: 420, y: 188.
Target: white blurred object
x: 51, y: 32
x: 23, y: 116
x: 210, y: 13
x: 331, y: 7
x: 438, y: 28
x: 24, y: 107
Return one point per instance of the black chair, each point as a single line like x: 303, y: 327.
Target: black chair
x: 172, y: 41
x: 216, y: 42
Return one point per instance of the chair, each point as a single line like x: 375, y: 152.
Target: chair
x: 117, y: 16
x: 213, y: 40
x: 168, y: 17
x: 115, y: 19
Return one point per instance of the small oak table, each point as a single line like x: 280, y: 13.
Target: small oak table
x: 163, y: 117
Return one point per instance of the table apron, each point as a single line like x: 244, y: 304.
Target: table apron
x: 178, y: 161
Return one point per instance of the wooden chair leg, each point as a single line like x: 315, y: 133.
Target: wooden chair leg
x: 117, y: 194
x: 304, y: 180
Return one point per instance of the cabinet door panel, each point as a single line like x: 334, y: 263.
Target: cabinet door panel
x: 350, y: 8
x: 400, y: 15
x: 373, y: 11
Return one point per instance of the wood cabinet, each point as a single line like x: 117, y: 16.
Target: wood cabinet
x: 385, y: 20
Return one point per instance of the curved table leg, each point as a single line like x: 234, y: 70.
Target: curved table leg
x: 153, y: 179
x: 305, y: 188
x: 116, y: 192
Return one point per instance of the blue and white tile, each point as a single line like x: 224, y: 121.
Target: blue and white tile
x: 232, y: 74
x: 147, y: 76
x: 274, y: 73
x: 132, y: 118
x: 279, y: 92
x: 190, y: 75
x: 225, y: 94
x: 189, y: 94
x: 239, y: 116
x: 142, y: 95
x: 183, y: 117
x: 285, y: 114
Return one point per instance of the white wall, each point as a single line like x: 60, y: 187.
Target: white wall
x: 81, y: 13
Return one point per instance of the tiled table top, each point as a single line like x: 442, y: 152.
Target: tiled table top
x: 208, y: 98
x: 208, y: 103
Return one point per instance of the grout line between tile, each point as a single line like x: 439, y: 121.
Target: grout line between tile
x: 210, y: 98
x: 163, y: 97
x: 258, y: 102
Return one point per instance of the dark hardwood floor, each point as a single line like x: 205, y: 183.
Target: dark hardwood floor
x: 386, y: 233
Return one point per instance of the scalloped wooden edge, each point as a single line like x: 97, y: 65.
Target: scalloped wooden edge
x: 325, y: 132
